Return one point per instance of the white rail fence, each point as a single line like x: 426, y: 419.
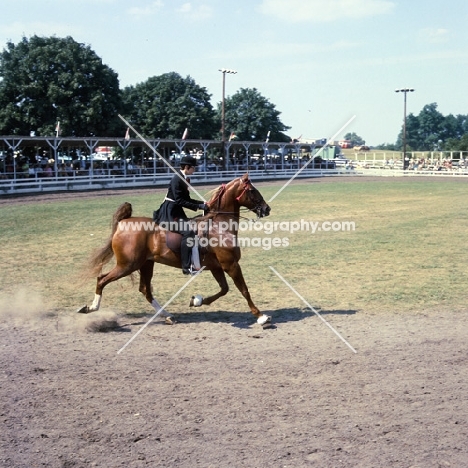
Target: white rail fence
x: 102, y: 182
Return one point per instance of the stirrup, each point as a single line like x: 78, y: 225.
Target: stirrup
x: 191, y: 271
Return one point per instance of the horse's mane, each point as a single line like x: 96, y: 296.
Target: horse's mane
x: 213, y: 194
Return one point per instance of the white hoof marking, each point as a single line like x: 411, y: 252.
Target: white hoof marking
x: 96, y: 303
x: 263, y: 319
x: 197, y: 300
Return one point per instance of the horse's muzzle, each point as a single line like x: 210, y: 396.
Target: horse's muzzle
x: 263, y: 210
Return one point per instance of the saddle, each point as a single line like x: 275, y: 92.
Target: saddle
x: 174, y: 239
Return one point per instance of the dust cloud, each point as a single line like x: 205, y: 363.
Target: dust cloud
x: 28, y: 308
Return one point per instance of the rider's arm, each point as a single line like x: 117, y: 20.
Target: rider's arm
x: 182, y: 196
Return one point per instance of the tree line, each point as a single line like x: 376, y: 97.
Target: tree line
x: 48, y: 80
x: 430, y: 130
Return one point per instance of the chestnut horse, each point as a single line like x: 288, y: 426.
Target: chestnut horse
x: 138, y: 243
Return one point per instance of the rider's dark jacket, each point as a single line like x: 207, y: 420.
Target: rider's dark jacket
x: 177, y: 198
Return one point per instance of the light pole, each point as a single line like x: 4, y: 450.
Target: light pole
x: 223, y: 136
x: 224, y: 71
x: 404, y: 91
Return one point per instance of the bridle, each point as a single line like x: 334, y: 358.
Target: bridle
x: 247, y: 187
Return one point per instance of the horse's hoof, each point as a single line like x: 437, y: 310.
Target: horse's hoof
x: 263, y: 319
x: 83, y: 310
x: 196, y: 301
x: 166, y: 317
x: 267, y: 325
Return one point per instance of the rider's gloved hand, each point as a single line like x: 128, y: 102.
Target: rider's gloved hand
x: 204, y: 207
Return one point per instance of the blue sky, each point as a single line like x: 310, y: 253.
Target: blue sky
x: 320, y: 62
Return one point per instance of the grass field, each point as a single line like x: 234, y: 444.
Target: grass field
x: 408, y: 250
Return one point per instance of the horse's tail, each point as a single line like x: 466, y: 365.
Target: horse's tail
x: 103, y: 255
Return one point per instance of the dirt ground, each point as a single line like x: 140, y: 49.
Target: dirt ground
x: 217, y: 390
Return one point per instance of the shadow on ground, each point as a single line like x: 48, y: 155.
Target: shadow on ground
x: 238, y: 319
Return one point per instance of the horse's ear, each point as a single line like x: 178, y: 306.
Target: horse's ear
x: 245, y: 177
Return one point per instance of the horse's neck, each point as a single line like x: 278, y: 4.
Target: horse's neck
x: 225, y: 209
x: 230, y: 208
x: 229, y: 223
x: 226, y: 201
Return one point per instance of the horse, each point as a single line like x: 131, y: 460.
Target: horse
x: 137, y: 248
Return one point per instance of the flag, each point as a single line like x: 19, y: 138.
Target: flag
x: 232, y: 136
x: 185, y: 135
x: 127, y: 134
x: 268, y: 137
x: 57, y: 128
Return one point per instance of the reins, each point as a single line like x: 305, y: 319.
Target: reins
x: 219, y: 195
x: 231, y: 214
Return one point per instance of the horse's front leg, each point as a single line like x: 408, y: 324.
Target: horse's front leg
x: 220, y: 277
x: 235, y: 272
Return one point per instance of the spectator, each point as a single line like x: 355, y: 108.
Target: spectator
x: 48, y: 171
x: 25, y: 169
x: 212, y: 166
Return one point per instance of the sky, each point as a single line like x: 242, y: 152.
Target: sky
x: 322, y: 63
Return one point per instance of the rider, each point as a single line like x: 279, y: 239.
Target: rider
x: 172, y: 209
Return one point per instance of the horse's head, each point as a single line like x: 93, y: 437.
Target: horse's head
x: 247, y: 195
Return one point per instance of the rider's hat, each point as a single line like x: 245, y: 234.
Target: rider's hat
x: 188, y: 160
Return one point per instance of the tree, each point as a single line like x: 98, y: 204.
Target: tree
x: 355, y: 139
x: 251, y: 116
x: 164, y: 106
x: 49, y: 79
x: 429, y: 130
x: 386, y: 147
x: 430, y: 127
x: 452, y: 127
x: 457, y: 144
x: 412, y: 134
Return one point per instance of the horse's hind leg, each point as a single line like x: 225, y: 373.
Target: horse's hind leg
x: 146, y: 274
x: 119, y: 271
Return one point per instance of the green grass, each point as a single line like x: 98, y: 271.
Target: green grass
x: 408, y: 251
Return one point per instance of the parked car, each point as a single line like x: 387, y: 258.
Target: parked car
x: 361, y: 148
